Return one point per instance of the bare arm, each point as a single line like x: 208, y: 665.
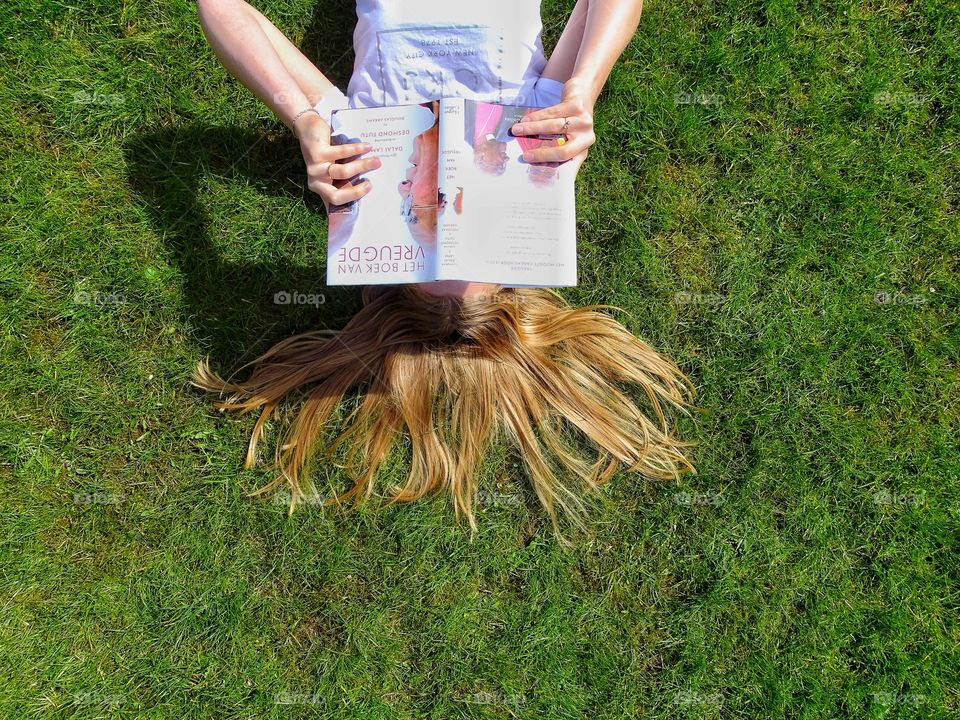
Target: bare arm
x: 260, y: 57
x: 256, y: 53
x: 563, y: 59
x: 593, y: 39
x: 605, y: 29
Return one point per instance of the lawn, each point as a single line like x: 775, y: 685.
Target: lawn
x: 772, y: 202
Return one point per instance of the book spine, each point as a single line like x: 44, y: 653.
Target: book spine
x: 448, y: 166
x: 441, y: 184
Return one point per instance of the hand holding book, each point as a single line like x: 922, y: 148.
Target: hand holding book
x: 333, y: 170
x: 571, y: 119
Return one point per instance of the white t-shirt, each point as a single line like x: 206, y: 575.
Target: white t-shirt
x: 412, y: 51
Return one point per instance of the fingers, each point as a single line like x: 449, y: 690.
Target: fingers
x: 349, y: 193
x: 561, y: 153
x: 345, y: 171
x: 337, y: 182
x: 341, y: 152
x: 332, y: 170
x: 569, y: 119
x: 322, y: 152
x: 554, y: 111
x: 553, y: 126
x: 334, y: 195
x: 539, y: 126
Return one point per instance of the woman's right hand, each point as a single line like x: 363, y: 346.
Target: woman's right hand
x: 331, y: 169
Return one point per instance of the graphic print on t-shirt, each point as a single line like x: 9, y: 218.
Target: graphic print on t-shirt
x: 433, y: 58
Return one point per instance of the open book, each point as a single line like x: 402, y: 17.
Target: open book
x: 452, y: 200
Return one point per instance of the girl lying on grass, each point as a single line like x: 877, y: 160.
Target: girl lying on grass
x: 453, y: 366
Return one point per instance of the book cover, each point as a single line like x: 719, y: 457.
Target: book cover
x: 453, y: 200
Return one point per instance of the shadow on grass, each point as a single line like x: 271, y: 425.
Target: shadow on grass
x: 231, y: 304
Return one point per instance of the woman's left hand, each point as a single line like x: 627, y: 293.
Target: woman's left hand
x: 573, y: 117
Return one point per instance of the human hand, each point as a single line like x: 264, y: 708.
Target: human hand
x: 332, y: 169
x: 571, y: 118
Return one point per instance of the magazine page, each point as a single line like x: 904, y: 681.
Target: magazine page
x: 390, y: 235
x: 504, y: 220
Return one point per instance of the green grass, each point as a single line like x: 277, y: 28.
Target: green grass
x: 810, y: 569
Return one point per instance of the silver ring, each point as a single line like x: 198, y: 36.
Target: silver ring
x: 566, y: 125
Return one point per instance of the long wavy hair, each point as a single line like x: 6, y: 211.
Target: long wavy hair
x: 452, y: 375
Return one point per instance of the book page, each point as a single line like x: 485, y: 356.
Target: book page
x: 517, y: 221
x: 389, y: 235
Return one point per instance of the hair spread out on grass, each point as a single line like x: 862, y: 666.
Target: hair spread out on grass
x: 451, y: 375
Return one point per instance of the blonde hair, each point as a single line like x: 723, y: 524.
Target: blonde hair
x: 451, y: 375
